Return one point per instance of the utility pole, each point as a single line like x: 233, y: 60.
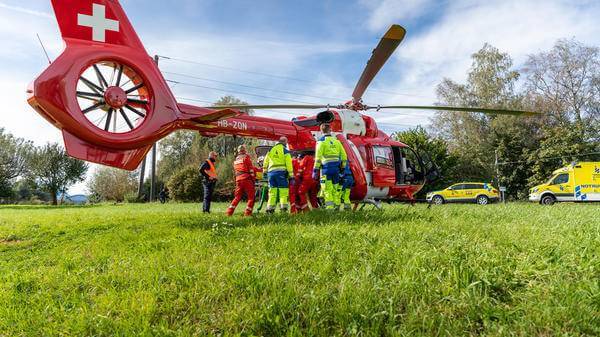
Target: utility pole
x: 497, y: 166
x: 153, y: 174
x: 153, y: 166
x: 142, y: 175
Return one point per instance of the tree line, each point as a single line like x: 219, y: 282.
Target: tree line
x: 517, y: 152
x: 36, y: 174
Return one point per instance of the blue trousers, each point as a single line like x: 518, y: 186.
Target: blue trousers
x: 209, y: 188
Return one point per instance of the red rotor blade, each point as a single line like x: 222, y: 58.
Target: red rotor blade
x: 390, y: 41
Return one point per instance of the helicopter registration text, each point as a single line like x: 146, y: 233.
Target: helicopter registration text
x: 233, y: 124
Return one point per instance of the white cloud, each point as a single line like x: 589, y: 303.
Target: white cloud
x: 518, y: 27
x: 387, y: 12
x: 26, y: 11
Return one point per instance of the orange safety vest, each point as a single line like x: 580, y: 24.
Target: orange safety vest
x: 212, y: 172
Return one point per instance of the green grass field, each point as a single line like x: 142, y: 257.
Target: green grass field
x: 517, y: 269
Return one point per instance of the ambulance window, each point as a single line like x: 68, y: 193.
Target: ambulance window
x: 384, y: 156
x: 561, y: 179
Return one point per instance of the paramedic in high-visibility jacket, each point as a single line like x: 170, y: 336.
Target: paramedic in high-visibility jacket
x: 330, y: 159
x: 278, y: 167
x: 347, y: 182
x: 245, y: 177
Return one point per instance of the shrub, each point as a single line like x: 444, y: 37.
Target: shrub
x: 186, y: 184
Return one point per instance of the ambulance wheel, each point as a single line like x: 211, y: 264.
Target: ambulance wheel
x: 548, y: 200
x: 437, y: 200
x: 483, y: 200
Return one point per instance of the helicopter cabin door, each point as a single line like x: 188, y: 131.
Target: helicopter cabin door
x: 384, y: 172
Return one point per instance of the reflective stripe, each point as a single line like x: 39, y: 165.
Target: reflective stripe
x: 212, y: 172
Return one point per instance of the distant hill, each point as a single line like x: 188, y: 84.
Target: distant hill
x: 76, y: 199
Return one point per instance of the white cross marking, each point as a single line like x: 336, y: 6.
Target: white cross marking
x: 98, y: 22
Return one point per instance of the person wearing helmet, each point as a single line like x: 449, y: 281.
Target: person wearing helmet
x: 244, y: 181
x: 331, y: 160
x: 278, y: 167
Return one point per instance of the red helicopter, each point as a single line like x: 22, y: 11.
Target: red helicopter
x: 112, y: 104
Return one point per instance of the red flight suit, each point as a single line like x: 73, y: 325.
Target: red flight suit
x: 244, y: 183
x: 308, y: 188
x: 294, y: 187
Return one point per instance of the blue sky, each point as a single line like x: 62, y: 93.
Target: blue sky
x: 325, y: 43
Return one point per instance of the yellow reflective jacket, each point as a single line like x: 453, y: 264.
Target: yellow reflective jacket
x: 278, y: 159
x: 330, y: 149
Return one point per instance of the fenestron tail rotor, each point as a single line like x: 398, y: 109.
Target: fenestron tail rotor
x: 113, y: 97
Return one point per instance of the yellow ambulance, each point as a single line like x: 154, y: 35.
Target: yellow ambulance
x: 578, y: 182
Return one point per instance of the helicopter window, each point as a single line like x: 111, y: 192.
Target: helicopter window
x: 383, y: 156
x: 363, y: 152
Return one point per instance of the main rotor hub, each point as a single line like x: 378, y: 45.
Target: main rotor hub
x: 116, y: 97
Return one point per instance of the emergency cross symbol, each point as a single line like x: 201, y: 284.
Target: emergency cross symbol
x: 98, y: 22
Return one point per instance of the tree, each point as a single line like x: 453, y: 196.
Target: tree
x: 14, y: 154
x: 565, y: 83
x: 490, y: 83
x: 559, y: 146
x: 514, y: 139
x: 54, y: 171
x: 175, y: 152
x: 112, y: 184
x: 422, y: 142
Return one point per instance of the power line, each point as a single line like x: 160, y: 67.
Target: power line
x: 235, y: 91
x: 209, y: 102
x: 281, y: 77
x: 551, y: 158
x: 253, y: 87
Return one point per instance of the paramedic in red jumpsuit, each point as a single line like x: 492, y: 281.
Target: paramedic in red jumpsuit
x: 294, y: 200
x: 244, y: 181
x: 308, y: 188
